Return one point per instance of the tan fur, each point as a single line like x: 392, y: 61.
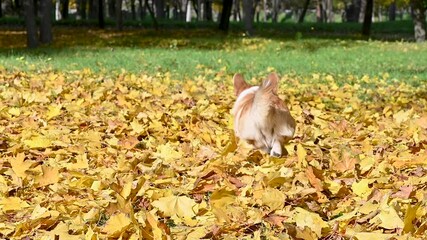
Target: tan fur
x: 260, y: 116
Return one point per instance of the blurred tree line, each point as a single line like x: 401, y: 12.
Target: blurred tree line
x: 220, y: 11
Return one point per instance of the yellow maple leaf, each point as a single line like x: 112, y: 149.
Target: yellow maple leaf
x: 410, y: 215
x: 273, y: 198
x: 19, y: 166
x: 39, y: 212
x: 90, y: 234
x: 50, y: 176
x: 402, y: 116
x: 53, y: 111
x: 168, y: 153
x: 14, y: 111
x: 388, y: 219
x: 220, y: 201
x: 362, y: 188
x: 182, y: 206
x: 62, y: 232
x: 12, y: 204
x: 38, y: 142
x: 370, y: 235
x: 116, y: 225
x: 301, y: 153
x: 313, y: 221
x: 137, y: 127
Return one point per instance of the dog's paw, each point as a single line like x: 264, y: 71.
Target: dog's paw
x: 276, y: 150
x: 275, y: 154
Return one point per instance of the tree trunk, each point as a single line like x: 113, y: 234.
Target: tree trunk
x: 111, y: 8
x: 275, y: 11
x: 46, y: 21
x: 329, y: 11
x: 392, y: 11
x: 188, y: 12
x: 199, y: 10
x: 101, y: 21
x: 366, y: 28
x: 133, y: 9
x: 264, y: 7
x: 1, y: 10
x: 175, y: 11
x: 224, y: 22
x: 141, y: 9
x: 248, y: 17
x: 208, y: 10
x: 236, y: 11
x: 160, y: 9
x: 30, y: 23
x: 58, y: 15
x: 119, y: 16
x: 419, y: 20
x: 319, y: 12
x: 362, y: 11
x: 150, y: 10
x: 64, y: 10
x: 93, y: 12
x: 17, y: 7
x: 304, y: 11
x: 81, y: 9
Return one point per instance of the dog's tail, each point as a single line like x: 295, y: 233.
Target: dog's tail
x: 266, y: 98
x: 270, y: 109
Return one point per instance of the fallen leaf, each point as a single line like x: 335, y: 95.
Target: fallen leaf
x: 362, y: 188
x: 38, y: 142
x: 116, y: 225
x: 313, y: 221
x: 182, y: 206
x: 19, y: 166
x: 50, y: 176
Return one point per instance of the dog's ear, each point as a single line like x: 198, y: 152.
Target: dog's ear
x: 239, y: 84
x: 271, y: 84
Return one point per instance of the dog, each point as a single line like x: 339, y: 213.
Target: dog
x: 260, y: 117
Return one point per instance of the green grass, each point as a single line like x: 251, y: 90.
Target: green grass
x: 188, y: 53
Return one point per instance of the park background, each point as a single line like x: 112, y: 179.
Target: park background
x: 115, y: 119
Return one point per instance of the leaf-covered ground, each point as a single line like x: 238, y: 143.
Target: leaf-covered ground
x: 86, y: 156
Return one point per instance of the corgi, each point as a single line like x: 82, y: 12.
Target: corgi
x: 260, y: 117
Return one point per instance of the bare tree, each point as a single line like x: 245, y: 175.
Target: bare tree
x: 30, y: 23
x: 46, y: 36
